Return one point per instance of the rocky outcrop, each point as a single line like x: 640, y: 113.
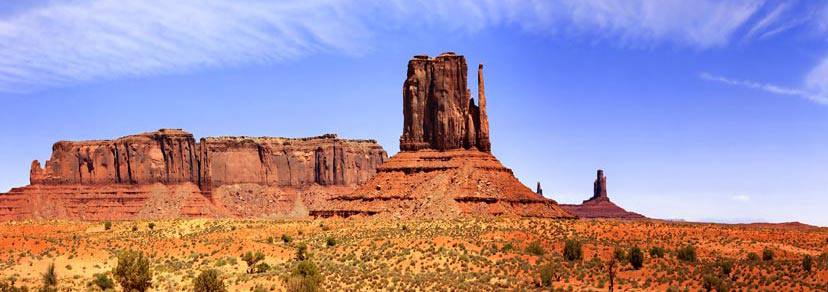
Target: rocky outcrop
x: 438, y: 111
x: 445, y: 167
x: 168, y: 174
x: 599, y: 205
x: 172, y: 156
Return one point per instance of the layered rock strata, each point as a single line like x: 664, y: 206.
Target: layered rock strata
x: 173, y: 175
x: 599, y: 205
x: 444, y: 167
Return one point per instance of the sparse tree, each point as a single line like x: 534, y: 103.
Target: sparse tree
x: 133, y: 272
x: 611, y: 273
x: 573, y: 250
x: 107, y: 225
x: 209, y: 281
x: 767, y: 255
x: 807, y: 262
x: 636, y: 257
x: 251, y: 259
x: 304, y: 277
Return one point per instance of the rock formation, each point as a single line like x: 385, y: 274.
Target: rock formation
x: 170, y: 173
x: 539, y: 190
x: 599, y: 205
x: 444, y: 167
x: 438, y: 110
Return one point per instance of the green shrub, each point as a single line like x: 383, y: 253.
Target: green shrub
x: 619, y: 255
x: 107, y: 225
x: 807, y: 262
x: 573, y: 250
x: 725, y: 265
x: 330, y: 241
x: 535, y: 248
x: 262, y: 267
x: 151, y: 225
x: 686, y: 253
x: 286, y: 238
x: 507, y: 247
x: 304, y: 277
x: 103, y: 282
x: 209, y: 281
x: 636, y: 257
x: 767, y: 255
x: 752, y: 257
x: 711, y: 282
x: 251, y: 259
x: 549, y: 273
x: 133, y: 272
x: 302, y: 252
x: 49, y: 278
x: 657, y: 252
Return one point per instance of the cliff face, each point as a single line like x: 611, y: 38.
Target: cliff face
x: 438, y: 111
x: 173, y: 156
x: 166, y: 174
x: 445, y: 167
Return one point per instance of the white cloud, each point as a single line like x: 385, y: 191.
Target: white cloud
x: 68, y: 42
x: 741, y: 198
x: 817, y: 88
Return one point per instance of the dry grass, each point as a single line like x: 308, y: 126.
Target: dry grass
x: 439, y: 255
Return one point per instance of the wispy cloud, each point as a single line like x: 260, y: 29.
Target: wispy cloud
x: 817, y: 93
x: 741, y: 198
x: 68, y: 42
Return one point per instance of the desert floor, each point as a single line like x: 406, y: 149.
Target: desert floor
x: 419, y: 255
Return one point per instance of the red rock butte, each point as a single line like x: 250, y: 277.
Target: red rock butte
x: 599, y: 205
x: 445, y: 167
x: 167, y: 174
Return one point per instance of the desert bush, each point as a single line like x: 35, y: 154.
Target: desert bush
x: 302, y: 252
x: 251, y: 259
x: 330, y: 242
x: 725, y: 266
x: 767, y: 255
x: 107, y: 225
x: 619, y: 255
x: 134, y: 228
x: 133, y: 272
x: 686, y: 253
x: 209, y: 281
x: 304, y: 277
x: 103, y: 282
x: 49, y: 279
x: 752, y: 257
x: 261, y: 268
x: 807, y: 262
x: 151, y: 225
x: 573, y: 250
x: 507, y: 247
x: 550, y: 272
x: 286, y: 238
x: 711, y: 282
x: 636, y: 257
x: 657, y: 252
x: 535, y: 248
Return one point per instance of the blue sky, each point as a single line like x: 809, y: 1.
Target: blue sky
x: 701, y: 110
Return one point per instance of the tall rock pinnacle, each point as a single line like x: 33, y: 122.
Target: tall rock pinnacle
x: 600, y: 185
x: 438, y: 110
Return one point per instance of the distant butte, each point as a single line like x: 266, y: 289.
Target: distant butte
x: 167, y: 174
x: 445, y: 167
x: 599, y: 205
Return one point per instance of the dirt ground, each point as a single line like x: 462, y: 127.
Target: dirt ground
x: 367, y: 254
